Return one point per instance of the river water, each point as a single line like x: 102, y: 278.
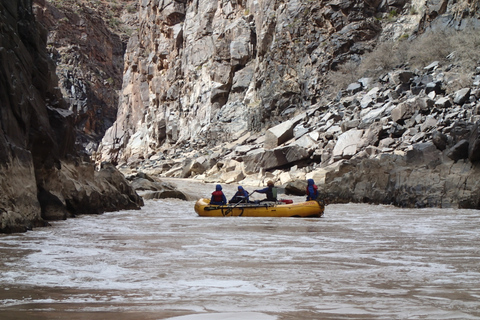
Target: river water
x: 164, y: 262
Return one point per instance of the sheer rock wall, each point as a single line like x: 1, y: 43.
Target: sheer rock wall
x: 41, y: 175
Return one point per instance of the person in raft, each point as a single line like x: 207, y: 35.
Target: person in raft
x: 312, y: 190
x: 240, y: 196
x: 270, y: 191
x: 218, y: 197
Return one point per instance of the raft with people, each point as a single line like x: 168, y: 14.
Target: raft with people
x: 285, y: 208
x: 240, y: 204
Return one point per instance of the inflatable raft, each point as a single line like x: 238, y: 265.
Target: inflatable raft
x: 264, y: 209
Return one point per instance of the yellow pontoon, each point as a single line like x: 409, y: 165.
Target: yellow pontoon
x: 264, y: 209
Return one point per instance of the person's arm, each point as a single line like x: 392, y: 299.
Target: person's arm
x: 224, y: 199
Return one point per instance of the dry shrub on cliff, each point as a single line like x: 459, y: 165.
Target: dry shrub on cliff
x: 346, y: 74
x: 447, y: 46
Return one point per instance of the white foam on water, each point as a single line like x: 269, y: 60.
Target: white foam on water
x: 357, y: 260
x: 226, y: 316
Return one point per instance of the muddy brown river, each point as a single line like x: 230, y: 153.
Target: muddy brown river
x: 165, y: 262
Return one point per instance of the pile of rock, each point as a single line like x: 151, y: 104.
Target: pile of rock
x: 401, y: 139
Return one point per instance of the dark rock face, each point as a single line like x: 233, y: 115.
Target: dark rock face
x: 40, y: 172
x: 87, y: 44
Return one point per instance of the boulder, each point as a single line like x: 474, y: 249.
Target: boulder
x: 399, y: 77
x: 270, y: 159
x: 461, y: 96
x: 296, y: 188
x: 443, y: 102
x: 354, y: 87
x: 474, y: 144
x: 407, y: 109
x: 174, y: 194
x: 279, y: 134
x: 423, y: 153
x: 439, y: 140
x: 348, y: 143
x: 459, y: 151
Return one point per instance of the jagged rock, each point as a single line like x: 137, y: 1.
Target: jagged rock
x: 459, y: 151
x: 354, y: 88
x: 407, y: 109
x: 193, y: 167
x: 175, y: 194
x: 443, y: 102
x: 279, y: 134
x: 435, y: 87
x: 296, y: 188
x: 269, y: 159
x: 440, y: 140
x: 423, y: 153
x: 432, y: 66
x: 401, y: 77
x: 348, y: 143
x: 474, y: 144
x: 461, y: 96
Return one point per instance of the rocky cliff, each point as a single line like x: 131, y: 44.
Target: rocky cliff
x: 243, y: 91
x: 41, y: 175
x: 87, y: 41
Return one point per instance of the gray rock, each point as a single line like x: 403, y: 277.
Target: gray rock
x: 279, y: 134
x: 439, y: 140
x: 443, y: 102
x: 461, y: 96
x: 354, y: 88
x: 459, y: 151
x: 474, y: 144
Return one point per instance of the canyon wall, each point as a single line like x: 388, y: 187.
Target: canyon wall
x: 42, y: 177
x: 240, y: 92
x: 87, y: 41
x: 201, y: 73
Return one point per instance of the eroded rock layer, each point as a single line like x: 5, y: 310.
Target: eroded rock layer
x: 236, y: 92
x: 41, y: 175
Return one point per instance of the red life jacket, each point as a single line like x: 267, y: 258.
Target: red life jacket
x: 217, y: 196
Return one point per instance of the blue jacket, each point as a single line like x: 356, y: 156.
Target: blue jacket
x: 240, y: 196
x: 312, y: 192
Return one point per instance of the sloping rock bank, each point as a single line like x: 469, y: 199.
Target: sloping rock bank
x: 400, y: 139
x: 41, y: 175
x: 235, y: 92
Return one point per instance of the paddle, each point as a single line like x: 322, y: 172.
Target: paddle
x: 231, y: 208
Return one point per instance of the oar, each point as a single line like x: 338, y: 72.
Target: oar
x: 212, y: 208
x: 231, y: 208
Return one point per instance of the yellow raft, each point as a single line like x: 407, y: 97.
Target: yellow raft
x: 265, y: 209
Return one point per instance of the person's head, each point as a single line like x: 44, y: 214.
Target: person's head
x: 270, y: 183
x: 310, y: 182
x: 240, y: 188
x: 218, y: 187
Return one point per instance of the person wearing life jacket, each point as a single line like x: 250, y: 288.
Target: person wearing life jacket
x: 218, y: 197
x: 270, y: 191
x: 312, y: 190
x: 240, y: 196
